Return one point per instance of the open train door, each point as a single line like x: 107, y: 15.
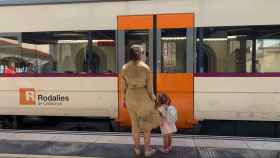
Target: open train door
x: 168, y: 41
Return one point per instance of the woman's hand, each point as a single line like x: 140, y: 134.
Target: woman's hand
x: 124, y: 104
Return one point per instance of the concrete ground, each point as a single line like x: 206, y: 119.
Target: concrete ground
x: 52, y: 144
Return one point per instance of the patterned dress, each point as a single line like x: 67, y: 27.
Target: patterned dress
x: 137, y: 85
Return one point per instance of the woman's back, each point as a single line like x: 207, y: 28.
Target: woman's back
x: 139, y: 93
x: 135, y: 73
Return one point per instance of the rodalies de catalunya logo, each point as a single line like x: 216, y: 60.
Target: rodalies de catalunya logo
x: 28, y: 96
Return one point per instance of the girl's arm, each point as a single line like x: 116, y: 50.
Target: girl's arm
x: 162, y: 112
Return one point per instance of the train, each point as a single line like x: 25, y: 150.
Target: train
x: 218, y: 60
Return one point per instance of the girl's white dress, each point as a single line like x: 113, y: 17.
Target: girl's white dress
x: 165, y: 126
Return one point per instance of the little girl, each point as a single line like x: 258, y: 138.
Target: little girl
x: 167, y: 125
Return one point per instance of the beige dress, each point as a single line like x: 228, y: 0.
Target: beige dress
x: 139, y: 96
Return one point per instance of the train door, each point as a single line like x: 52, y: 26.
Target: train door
x: 169, y: 47
x: 175, y: 66
x: 133, y: 30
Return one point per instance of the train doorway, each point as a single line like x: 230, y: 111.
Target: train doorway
x: 168, y: 42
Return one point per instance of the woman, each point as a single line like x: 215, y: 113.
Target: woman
x: 140, y: 100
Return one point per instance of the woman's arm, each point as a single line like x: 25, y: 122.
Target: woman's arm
x: 150, y: 85
x: 123, y: 87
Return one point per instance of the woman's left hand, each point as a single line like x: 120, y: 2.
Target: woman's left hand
x: 124, y: 104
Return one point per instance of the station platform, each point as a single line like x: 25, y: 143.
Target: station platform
x: 58, y: 144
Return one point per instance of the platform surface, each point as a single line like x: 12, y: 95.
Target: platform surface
x: 54, y: 144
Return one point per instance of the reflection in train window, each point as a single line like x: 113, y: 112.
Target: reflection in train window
x: 63, y: 52
x: 225, y: 55
x: 13, y: 54
x: 239, y: 49
x: 268, y: 55
x: 173, y: 46
x: 138, y: 37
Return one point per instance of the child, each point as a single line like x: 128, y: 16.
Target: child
x: 168, y: 119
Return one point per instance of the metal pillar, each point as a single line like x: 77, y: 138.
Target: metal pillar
x: 120, y: 50
x: 151, y: 50
x: 254, y: 50
x: 154, y: 40
x: 200, y: 53
x: 89, y: 55
x: 159, y: 54
x: 190, y: 51
x: 243, y: 50
x: 194, y: 50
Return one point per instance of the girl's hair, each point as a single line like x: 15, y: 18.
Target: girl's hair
x: 163, y: 99
x: 135, y: 52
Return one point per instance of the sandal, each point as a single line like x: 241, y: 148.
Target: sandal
x: 137, y: 151
x: 150, y: 152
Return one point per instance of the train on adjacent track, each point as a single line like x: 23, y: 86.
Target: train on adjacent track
x: 218, y: 60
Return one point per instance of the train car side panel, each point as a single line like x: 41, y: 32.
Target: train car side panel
x: 237, y: 98
x: 59, y: 96
x: 179, y: 87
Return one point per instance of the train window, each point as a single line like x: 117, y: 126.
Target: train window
x: 228, y: 54
x: 10, y: 52
x: 173, y: 46
x: 238, y: 49
x: 61, y: 52
x: 268, y: 55
x: 10, y: 40
x: 72, y: 51
x: 139, y: 37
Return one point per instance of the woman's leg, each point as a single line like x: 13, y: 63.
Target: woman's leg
x: 147, y: 140
x: 147, y: 144
x: 136, y: 137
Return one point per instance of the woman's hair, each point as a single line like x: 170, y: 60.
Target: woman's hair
x: 135, y: 52
x: 163, y: 99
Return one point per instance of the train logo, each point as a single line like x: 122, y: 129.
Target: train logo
x: 27, y: 96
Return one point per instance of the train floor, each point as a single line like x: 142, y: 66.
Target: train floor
x: 69, y: 144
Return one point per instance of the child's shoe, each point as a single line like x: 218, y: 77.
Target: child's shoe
x: 170, y: 148
x: 165, y: 150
